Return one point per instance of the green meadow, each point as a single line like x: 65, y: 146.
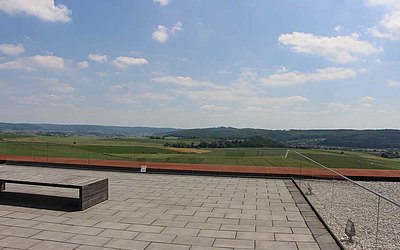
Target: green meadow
x: 153, y: 150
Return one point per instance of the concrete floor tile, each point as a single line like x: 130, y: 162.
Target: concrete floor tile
x: 19, y: 215
x: 151, y: 237
x: 218, y: 234
x: 50, y: 218
x: 181, y: 231
x: 194, y: 240
x: 145, y: 228
x: 112, y: 225
x: 83, y: 247
x: 18, y: 242
x: 307, y: 246
x: 50, y: 245
x: 294, y: 237
x: 54, y: 236
x: 203, y: 225
x: 127, y: 244
x: 275, y: 245
x: 120, y: 234
x: 209, y: 248
x: 244, y: 244
x: 89, y: 240
x: 162, y: 246
x: 19, y: 232
x: 81, y: 222
x: 273, y: 229
x: 247, y: 228
x: 254, y: 236
x: 169, y: 223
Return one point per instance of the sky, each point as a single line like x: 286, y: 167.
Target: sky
x: 190, y: 63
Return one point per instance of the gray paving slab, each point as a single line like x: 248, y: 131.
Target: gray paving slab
x: 194, y: 240
x: 19, y: 232
x: 218, y: 234
x: 160, y: 211
x: 50, y: 245
x: 118, y: 234
x: 89, y: 240
x: 233, y: 243
x: 275, y: 245
x: 127, y: 244
x: 162, y: 246
x: 18, y: 242
x: 161, y: 238
x: 53, y: 236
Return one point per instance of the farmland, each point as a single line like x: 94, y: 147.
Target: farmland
x: 153, y: 150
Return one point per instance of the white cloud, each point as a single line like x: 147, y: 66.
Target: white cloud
x: 367, y: 99
x: 12, y: 49
x: 45, y: 10
x: 224, y: 72
x: 132, y: 94
x: 37, y: 99
x: 35, y: 62
x: 390, y: 22
x: 257, y: 109
x: 162, y: 2
x: 97, y: 58
x: 366, y: 102
x: 338, y: 29
x: 183, y: 81
x: 62, y: 88
x: 124, y: 61
x: 294, y: 77
x: 341, y: 49
x: 54, y: 85
x: 275, y: 101
x: 392, y: 83
x: 214, y: 108
x: 161, y: 34
x: 83, y: 64
x: 136, y: 98
x: 244, y: 92
x: 178, y: 26
x: 47, y: 99
x: 374, y: 31
x: 48, y: 61
x: 384, y: 3
x: 228, y: 95
x: 338, y: 105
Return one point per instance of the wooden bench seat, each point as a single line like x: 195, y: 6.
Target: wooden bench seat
x: 92, y: 190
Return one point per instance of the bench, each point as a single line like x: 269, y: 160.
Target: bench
x: 92, y: 190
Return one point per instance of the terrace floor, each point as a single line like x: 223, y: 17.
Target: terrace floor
x: 162, y: 211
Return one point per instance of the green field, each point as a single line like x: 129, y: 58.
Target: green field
x: 153, y: 150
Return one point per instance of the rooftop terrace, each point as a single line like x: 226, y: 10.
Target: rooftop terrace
x: 162, y: 211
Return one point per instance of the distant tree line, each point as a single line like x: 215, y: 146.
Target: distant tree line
x: 252, y: 142
x: 390, y: 154
x: 342, y: 138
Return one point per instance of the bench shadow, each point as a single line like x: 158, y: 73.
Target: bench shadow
x: 39, y: 201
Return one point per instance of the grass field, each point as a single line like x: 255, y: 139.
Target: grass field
x: 153, y: 150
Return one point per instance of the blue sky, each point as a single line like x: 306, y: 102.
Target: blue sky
x: 191, y: 63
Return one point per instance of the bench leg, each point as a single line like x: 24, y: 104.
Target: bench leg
x: 2, y: 186
x: 93, y: 194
